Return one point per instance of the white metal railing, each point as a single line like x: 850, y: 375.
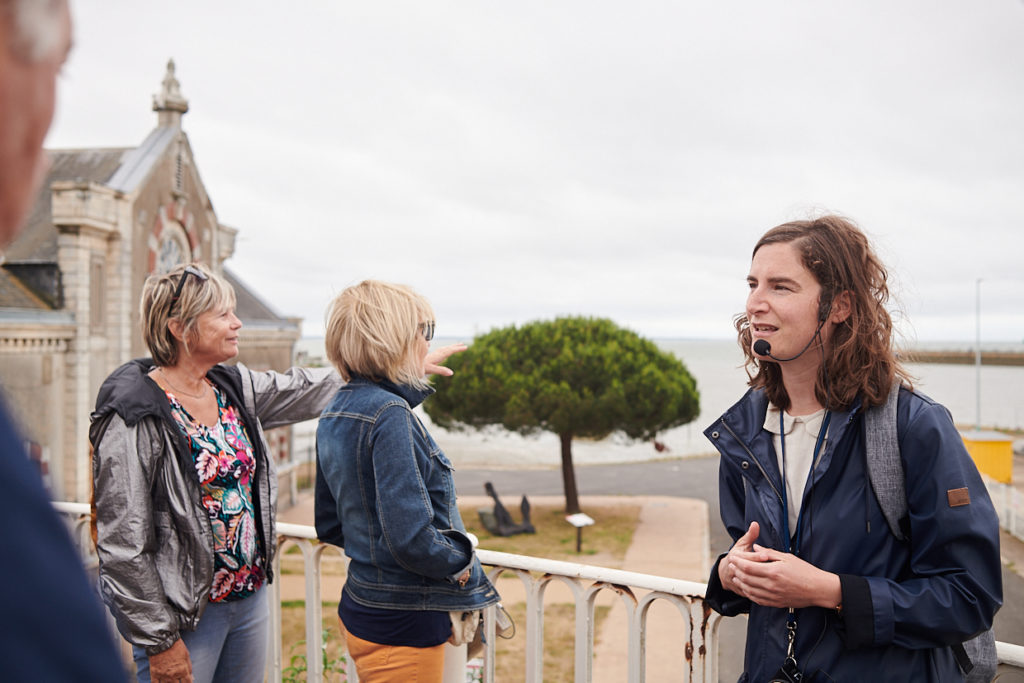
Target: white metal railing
x: 1009, y: 504
x: 1011, y: 662
x: 637, y: 592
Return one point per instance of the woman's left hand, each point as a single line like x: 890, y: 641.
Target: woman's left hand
x: 779, y: 579
x: 432, y: 363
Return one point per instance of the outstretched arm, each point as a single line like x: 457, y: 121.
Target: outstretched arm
x: 433, y: 364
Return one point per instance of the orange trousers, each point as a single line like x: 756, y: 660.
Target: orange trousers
x: 395, y: 663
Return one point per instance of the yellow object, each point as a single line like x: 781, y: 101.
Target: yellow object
x: 992, y: 453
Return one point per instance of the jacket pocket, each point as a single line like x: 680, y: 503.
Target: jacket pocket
x: 438, y: 455
x: 173, y: 560
x: 443, y: 482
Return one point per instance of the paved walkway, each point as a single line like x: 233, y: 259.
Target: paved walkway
x: 671, y: 540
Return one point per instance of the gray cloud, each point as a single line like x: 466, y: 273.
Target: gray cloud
x: 517, y: 161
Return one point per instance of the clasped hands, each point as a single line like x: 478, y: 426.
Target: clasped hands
x: 776, y: 579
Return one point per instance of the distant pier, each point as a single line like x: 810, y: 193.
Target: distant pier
x: 962, y: 357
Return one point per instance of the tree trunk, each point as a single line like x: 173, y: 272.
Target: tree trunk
x: 572, y: 499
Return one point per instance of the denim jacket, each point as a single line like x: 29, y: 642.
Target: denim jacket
x: 385, y: 493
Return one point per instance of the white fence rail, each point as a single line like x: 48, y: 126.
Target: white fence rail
x: 637, y: 592
x: 1009, y: 504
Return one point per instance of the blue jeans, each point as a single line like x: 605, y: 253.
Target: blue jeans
x: 228, y: 646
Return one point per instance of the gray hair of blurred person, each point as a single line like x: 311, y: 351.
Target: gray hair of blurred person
x: 36, y: 27
x: 158, y: 307
x: 35, y: 37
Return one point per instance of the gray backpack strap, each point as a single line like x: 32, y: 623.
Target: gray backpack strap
x: 982, y: 659
x: 976, y: 657
x: 885, y: 470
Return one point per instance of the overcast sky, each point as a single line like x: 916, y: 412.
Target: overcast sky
x: 520, y: 160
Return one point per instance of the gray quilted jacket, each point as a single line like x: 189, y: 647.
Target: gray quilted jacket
x: 154, y: 539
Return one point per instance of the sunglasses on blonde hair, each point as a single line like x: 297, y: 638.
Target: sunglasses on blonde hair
x: 189, y: 270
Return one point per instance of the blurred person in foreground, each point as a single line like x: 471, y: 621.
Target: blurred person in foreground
x: 185, y: 488
x: 53, y: 627
x: 832, y: 593
x: 385, y: 492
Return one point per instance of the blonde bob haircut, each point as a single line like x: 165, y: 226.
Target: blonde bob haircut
x: 373, y: 330
x: 158, y: 307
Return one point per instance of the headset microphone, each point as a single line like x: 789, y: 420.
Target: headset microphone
x: 763, y: 348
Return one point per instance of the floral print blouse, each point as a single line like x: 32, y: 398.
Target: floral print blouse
x: 226, y: 465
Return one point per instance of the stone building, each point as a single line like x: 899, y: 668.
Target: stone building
x: 70, y: 284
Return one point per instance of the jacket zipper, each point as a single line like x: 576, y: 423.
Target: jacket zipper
x: 754, y: 458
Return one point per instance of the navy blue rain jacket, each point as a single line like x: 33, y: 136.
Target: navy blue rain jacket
x: 904, y: 603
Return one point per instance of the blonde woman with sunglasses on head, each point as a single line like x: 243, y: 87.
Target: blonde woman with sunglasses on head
x: 385, y: 492
x: 185, y: 490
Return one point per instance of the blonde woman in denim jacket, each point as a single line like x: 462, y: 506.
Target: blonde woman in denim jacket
x: 385, y: 492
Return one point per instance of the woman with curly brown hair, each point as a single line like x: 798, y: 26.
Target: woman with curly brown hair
x: 832, y: 593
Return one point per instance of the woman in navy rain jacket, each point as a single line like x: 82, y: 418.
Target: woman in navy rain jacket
x: 813, y: 555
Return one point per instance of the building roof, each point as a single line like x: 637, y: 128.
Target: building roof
x: 137, y: 163
x: 250, y: 308
x: 31, y: 280
x: 38, y: 240
x: 14, y: 294
x: 122, y: 169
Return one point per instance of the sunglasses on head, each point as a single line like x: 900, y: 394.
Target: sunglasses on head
x: 189, y: 270
x: 428, y: 329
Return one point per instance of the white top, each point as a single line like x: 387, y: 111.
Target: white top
x: 801, y: 435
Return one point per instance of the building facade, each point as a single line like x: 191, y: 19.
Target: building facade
x: 104, y: 221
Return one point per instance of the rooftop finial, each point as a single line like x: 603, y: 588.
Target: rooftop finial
x: 170, y: 104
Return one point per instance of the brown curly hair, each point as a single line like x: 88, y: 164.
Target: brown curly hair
x: 860, y: 359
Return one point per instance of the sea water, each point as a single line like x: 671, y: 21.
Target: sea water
x: 721, y: 381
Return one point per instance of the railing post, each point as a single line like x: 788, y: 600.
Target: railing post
x: 1014, y: 506
x: 314, y: 612
x: 585, y: 636
x: 454, y: 663
x: 274, y: 650
x: 637, y: 619
x: 490, y: 643
x: 535, y: 633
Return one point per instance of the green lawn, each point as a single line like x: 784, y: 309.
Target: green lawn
x: 608, y: 538
x: 605, y: 544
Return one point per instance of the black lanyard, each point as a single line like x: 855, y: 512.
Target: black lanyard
x: 793, y: 545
